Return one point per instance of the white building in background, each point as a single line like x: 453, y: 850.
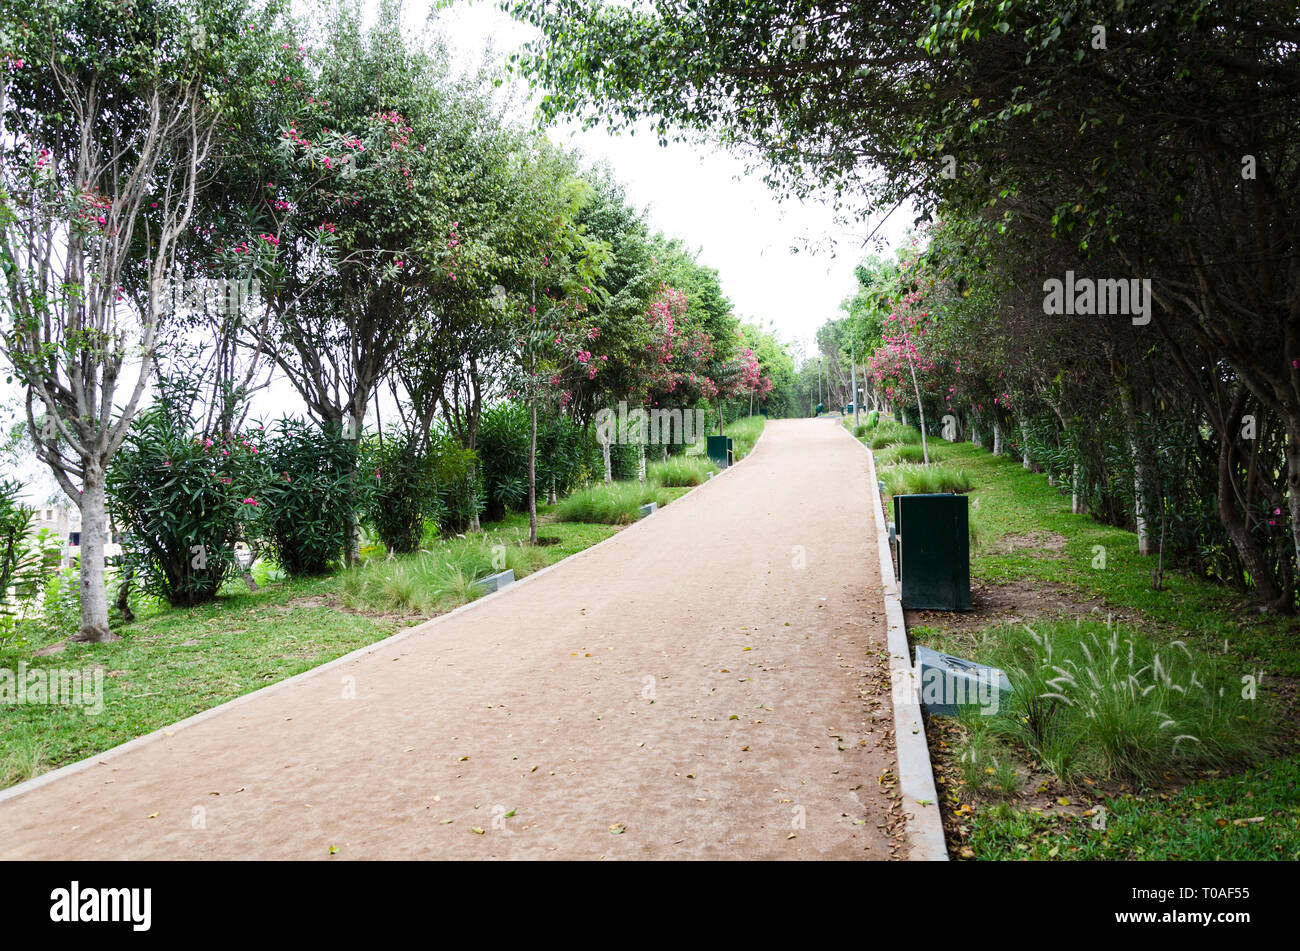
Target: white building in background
x: 65, y: 522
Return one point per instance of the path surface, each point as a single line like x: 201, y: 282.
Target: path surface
x: 768, y: 733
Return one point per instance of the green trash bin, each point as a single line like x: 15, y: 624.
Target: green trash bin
x: 932, y: 539
x: 719, y: 450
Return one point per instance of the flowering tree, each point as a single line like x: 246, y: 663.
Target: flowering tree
x: 103, y: 147
x: 552, y: 337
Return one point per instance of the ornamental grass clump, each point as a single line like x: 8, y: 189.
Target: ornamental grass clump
x: 681, y: 471
x: 1093, y: 700
x: 615, y: 504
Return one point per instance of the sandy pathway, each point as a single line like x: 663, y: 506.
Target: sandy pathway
x: 685, y: 680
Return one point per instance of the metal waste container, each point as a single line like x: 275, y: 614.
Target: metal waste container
x: 719, y: 450
x: 932, y: 535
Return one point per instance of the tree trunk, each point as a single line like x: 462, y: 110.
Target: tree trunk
x: 1077, y: 505
x: 474, y: 524
x: 997, y: 439
x: 1141, y: 486
x: 1293, y: 490
x: 94, y: 595
x: 1254, y: 559
x: 1024, y: 447
x: 975, y: 432
x: 532, y: 473
x: 609, y: 467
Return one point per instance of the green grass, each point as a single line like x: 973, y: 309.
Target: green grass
x: 744, y: 433
x: 1095, y: 564
x: 919, y: 479
x: 1099, y: 561
x: 1251, y: 816
x: 176, y: 663
x: 679, y: 471
x: 615, y: 504
x: 910, y: 452
x: 1093, y: 700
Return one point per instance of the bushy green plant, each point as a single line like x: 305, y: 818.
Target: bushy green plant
x: 459, y: 484
x: 180, y: 501
x: 624, y: 461
x: 310, y: 488
x: 906, y: 479
x: 565, y: 453
x: 405, y: 494
x: 1096, y: 700
x: 681, y: 471
x: 18, y: 558
x: 744, y: 434
x: 431, y: 581
x: 502, y: 447
x: 615, y: 504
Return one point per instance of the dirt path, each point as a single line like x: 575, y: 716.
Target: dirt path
x: 684, y: 680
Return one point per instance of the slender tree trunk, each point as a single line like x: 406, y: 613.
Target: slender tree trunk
x: 1077, y: 505
x: 1293, y: 485
x: 997, y: 438
x: 94, y: 595
x: 1024, y: 447
x: 532, y: 472
x: 474, y: 524
x: 1251, y: 555
x: 1141, y: 486
x: 609, y: 467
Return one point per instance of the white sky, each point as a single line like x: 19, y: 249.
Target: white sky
x: 702, y: 196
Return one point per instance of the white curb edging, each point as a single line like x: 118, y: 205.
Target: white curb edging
x: 98, y: 759
x: 924, y: 823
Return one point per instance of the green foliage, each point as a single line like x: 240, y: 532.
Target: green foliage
x: 1097, y: 700
x: 459, y: 484
x: 615, y: 504
x: 310, y: 488
x: 405, y: 494
x: 1213, y: 820
x: 18, y: 560
x: 906, y: 479
x: 180, y: 502
x: 744, y: 434
x: 681, y: 471
x: 502, y: 448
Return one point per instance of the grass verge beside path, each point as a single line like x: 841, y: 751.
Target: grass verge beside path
x: 1011, y: 790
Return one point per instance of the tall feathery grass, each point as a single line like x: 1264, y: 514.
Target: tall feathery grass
x: 1094, y: 700
x: 616, y: 504
x: 904, y: 479
x: 430, y: 582
x: 681, y: 471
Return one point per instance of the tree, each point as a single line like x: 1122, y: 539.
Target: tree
x: 102, y: 150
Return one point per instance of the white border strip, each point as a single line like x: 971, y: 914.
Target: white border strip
x: 924, y: 823
x: 113, y: 752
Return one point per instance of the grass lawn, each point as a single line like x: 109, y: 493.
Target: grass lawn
x: 1001, y: 800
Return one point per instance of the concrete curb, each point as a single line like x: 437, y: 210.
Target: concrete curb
x: 13, y: 792
x: 924, y: 823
